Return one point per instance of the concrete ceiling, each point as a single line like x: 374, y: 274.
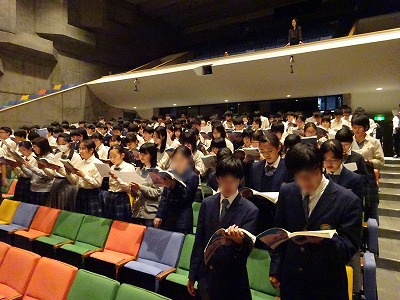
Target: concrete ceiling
x: 357, y: 64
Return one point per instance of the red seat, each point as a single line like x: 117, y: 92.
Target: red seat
x: 3, y: 251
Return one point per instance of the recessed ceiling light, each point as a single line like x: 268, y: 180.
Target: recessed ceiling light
x: 226, y: 100
x: 174, y: 104
x: 288, y: 96
x: 297, y: 100
x: 134, y: 107
x: 379, y: 89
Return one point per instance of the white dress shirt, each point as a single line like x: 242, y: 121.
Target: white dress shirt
x: 92, y: 179
x: 230, y: 199
x: 314, y: 197
x: 371, y: 150
x: 275, y: 164
x: 76, y: 160
x: 119, y: 185
x: 102, y: 151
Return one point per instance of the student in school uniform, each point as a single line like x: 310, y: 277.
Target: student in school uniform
x: 338, y: 122
x: 115, y: 140
x: 218, y: 131
x: 345, y: 137
x: 132, y: 143
x: 314, y: 268
x: 290, y: 141
x: 160, y: 139
x: 63, y: 193
x: 332, y: 151
x: 23, y: 187
x: 246, y: 134
x: 211, y: 178
x: 88, y: 180
x: 6, y: 141
x: 175, y: 210
x: 147, y: 196
x: 279, y: 130
x: 226, y: 277
x: 101, y: 149
x: 41, y: 178
x: 188, y: 139
x: 20, y: 136
x: 371, y: 149
x: 148, y: 132
x: 117, y: 204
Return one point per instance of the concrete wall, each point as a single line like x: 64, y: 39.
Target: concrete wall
x: 73, y: 105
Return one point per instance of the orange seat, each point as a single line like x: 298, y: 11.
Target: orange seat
x: 3, y: 251
x: 42, y: 225
x: 122, y: 245
x: 51, y: 279
x: 16, y: 271
x: 11, y: 190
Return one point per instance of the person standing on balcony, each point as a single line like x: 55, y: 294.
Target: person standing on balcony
x: 295, y: 34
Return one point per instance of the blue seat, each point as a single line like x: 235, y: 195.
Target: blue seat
x: 370, y: 287
x: 158, y: 254
x: 372, y: 236
x: 22, y: 219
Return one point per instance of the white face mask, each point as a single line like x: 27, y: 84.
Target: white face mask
x: 63, y: 148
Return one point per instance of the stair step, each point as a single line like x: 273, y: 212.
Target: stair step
x: 388, y: 284
x: 390, y: 167
x: 389, y: 248
x: 392, y: 194
x: 389, y: 208
x: 389, y: 174
x: 389, y: 183
x: 391, y: 160
x: 388, y: 263
x: 389, y: 227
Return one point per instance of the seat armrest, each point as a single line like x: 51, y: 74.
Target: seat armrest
x: 14, y: 230
x: 164, y: 274
x: 32, y: 239
x: 121, y: 263
x: 56, y: 246
x: 86, y: 254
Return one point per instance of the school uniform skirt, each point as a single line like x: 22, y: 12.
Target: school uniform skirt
x: 63, y: 194
x: 40, y: 198
x: 23, y: 190
x: 117, y: 206
x: 88, y: 202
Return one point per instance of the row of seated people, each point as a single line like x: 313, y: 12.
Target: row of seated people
x: 26, y: 275
x: 153, y: 259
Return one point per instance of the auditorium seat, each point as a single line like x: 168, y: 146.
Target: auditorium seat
x: 64, y: 231
x: 369, y: 276
x: 11, y: 190
x: 196, y: 209
x: 122, y: 246
x: 88, y: 285
x: 91, y: 237
x: 260, y: 287
x: 21, y: 221
x: 51, y: 280
x: 158, y: 253
x: 349, y: 272
x: 16, y: 271
x: 42, y: 225
x: 129, y: 292
x: 7, y: 211
x: 3, y: 250
x: 174, y: 285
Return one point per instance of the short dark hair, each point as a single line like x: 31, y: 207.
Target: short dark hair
x: 25, y: 144
x: 326, y: 118
x: 257, y: 120
x: 271, y: 138
x: 338, y: 112
x: 229, y: 166
x: 185, y: 151
x: 302, y: 117
x: 130, y: 137
x: 133, y: 128
x: 117, y: 126
x: 344, y: 135
x: 218, y: 143
x: 238, y: 120
x: 222, y: 153
x: 333, y: 146
x: 33, y: 135
x: 65, y: 136
x: 303, y: 157
x: 6, y: 129
x: 148, y: 129
x: 91, y: 126
x: 360, y: 120
x: 76, y: 133
x: 256, y: 136
x: 189, y: 137
x: 218, y: 127
x: 97, y: 136
x: 20, y: 133
x: 291, y: 140
x: 247, y: 132
x: 278, y: 127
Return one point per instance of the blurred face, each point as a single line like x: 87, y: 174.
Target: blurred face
x: 247, y: 142
x: 294, y: 23
x: 308, y: 180
x: 338, y: 117
x: 203, y: 123
x: 36, y: 149
x: 114, y: 142
x: 255, y: 144
x: 25, y: 152
x: 346, y: 116
x: 89, y: 131
x: 346, y: 147
x: 145, y: 158
x: 103, y: 131
x: 331, y: 163
x: 4, y: 135
x: 300, y: 124
x: 359, y: 131
x: 269, y: 152
x: 228, y: 185
x: 76, y: 138
x: 157, y: 139
x: 116, y: 132
x: 116, y: 157
x: 18, y: 139
x: 245, y: 120
x: 147, y: 136
x: 180, y: 163
x: 216, y: 134
x: 97, y: 142
x: 310, y: 131
x: 85, y: 152
x: 255, y: 126
x: 326, y: 124
x: 132, y: 145
x: 239, y: 127
x: 177, y: 134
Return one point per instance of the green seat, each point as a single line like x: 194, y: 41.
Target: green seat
x: 88, y: 285
x: 196, y: 209
x: 129, y: 292
x: 91, y: 236
x: 65, y: 230
x: 175, y: 283
x: 257, y: 264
